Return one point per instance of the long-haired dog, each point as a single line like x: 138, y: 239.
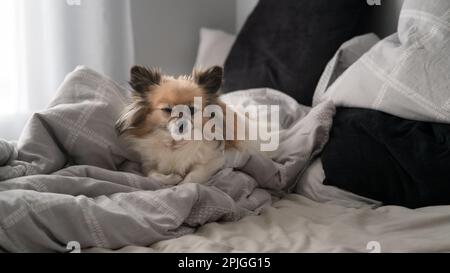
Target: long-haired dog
x: 148, y: 125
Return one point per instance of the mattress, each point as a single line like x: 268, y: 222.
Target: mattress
x: 321, y: 219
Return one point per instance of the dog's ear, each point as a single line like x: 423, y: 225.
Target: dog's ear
x: 133, y: 116
x: 210, y: 79
x: 143, y: 78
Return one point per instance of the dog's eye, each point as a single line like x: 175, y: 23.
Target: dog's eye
x: 167, y: 110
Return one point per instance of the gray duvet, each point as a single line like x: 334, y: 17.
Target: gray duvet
x: 69, y: 178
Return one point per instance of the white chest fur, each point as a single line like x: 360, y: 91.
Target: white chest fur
x: 161, y: 154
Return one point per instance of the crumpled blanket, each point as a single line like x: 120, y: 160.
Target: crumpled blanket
x: 70, y: 178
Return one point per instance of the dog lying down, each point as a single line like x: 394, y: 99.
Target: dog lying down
x: 180, y: 127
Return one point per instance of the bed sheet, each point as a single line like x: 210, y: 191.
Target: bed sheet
x: 321, y: 219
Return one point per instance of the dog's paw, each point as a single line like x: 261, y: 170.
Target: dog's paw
x: 168, y: 179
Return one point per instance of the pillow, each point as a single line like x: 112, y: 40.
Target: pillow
x: 402, y: 158
x: 285, y: 45
x: 346, y: 55
x: 406, y: 74
x: 389, y: 159
x: 214, y: 47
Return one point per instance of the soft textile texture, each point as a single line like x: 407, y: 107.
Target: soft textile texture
x: 298, y: 224
x: 71, y: 179
x: 285, y: 45
x: 214, y: 47
x: 312, y: 187
x: 347, y: 54
x: 406, y: 74
x: 390, y: 159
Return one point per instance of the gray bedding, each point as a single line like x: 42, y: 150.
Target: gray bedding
x: 69, y: 178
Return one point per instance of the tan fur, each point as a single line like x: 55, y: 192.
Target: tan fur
x: 145, y: 125
x: 171, y: 92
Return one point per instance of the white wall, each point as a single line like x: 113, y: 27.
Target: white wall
x: 243, y: 9
x: 167, y: 31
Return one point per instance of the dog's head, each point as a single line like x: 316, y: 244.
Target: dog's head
x: 155, y: 96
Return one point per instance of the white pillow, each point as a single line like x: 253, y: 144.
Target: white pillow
x: 214, y: 47
x: 347, y: 54
x: 406, y: 74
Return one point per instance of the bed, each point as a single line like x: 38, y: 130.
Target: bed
x: 61, y: 184
x: 333, y: 223
x: 320, y: 218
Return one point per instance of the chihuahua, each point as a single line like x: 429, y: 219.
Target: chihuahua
x: 148, y: 124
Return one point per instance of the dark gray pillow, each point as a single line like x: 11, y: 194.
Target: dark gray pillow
x: 386, y: 158
x: 286, y: 44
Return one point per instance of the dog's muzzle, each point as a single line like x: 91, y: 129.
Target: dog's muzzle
x: 180, y: 129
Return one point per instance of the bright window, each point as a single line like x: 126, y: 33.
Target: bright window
x: 9, y: 93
